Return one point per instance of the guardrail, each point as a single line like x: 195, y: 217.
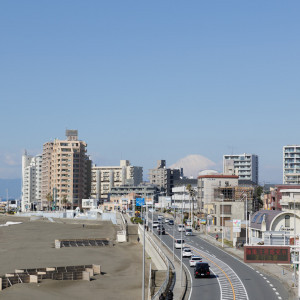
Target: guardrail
x: 164, y: 258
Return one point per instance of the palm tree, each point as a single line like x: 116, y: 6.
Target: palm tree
x: 49, y: 198
x: 192, y: 194
x: 64, y: 201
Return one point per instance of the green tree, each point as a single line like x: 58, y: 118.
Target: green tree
x: 258, y: 191
x: 64, y: 201
x: 192, y: 194
x: 49, y: 198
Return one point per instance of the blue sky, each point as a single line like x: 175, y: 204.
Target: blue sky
x: 150, y: 80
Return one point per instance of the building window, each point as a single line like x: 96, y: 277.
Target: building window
x: 287, y: 221
x: 225, y: 209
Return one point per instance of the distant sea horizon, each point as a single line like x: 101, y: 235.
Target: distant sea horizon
x: 13, y: 186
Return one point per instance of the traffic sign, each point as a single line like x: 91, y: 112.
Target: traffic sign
x: 140, y: 201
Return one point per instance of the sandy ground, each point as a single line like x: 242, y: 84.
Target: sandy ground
x: 31, y: 245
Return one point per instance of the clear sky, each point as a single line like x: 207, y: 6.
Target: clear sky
x: 149, y: 80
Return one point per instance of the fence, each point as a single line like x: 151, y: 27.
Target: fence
x: 169, y: 265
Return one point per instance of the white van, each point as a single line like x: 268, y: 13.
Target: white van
x: 180, y: 227
x: 155, y: 224
x: 179, y: 243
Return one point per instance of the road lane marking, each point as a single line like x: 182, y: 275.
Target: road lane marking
x: 233, y: 292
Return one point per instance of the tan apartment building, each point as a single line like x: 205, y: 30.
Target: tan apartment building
x: 65, y: 171
x: 104, y: 178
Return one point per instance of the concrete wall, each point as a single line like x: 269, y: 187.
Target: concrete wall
x: 152, y: 250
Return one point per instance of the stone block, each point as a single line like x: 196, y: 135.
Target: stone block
x: 50, y: 269
x: 90, y: 270
x: 86, y: 276
x: 97, y: 269
x: 33, y: 279
x: 57, y: 244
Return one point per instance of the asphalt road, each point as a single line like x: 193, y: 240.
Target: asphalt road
x: 233, y: 279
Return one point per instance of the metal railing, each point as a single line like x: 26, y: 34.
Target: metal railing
x: 165, y: 260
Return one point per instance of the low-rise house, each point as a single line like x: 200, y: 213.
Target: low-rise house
x: 265, y: 221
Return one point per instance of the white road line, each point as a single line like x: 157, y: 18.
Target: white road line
x: 191, y: 291
x: 229, y: 280
x: 271, y: 284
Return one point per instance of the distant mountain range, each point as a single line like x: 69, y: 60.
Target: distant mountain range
x: 13, y: 186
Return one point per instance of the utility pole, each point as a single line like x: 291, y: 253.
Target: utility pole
x: 7, y: 200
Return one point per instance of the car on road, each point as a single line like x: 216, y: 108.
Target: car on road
x: 171, y: 222
x: 179, y: 243
x: 188, y: 231
x: 188, y: 223
x: 167, y: 220
x: 180, y: 227
x: 160, y: 217
x: 187, y: 252
x: 161, y: 230
x: 155, y: 224
x: 201, y: 270
x: 194, y: 260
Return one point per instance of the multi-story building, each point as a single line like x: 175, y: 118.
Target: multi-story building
x: 148, y: 191
x: 291, y: 164
x: 105, y: 178
x: 31, y: 182
x: 222, y: 199
x: 185, y: 194
x: 66, y: 167
x: 164, y: 177
x: 290, y: 199
x: 243, y: 165
x: 207, y: 185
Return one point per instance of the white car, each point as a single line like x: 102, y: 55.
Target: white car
x: 167, y: 220
x: 187, y: 252
x: 194, y: 260
x: 155, y: 224
x: 188, y: 231
x: 180, y: 227
x: 179, y: 243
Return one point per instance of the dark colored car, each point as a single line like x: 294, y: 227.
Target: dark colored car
x: 201, y: 270
x: 161, y: 230
x: 171, y: 222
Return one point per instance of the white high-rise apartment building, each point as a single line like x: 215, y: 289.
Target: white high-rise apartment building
x: 31, y: 182
x: 104, y: 178
x: 243, y: 165
x: 291, y: 164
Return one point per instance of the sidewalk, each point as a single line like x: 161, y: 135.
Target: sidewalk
x: 179, y: 288
x: 283, y: 273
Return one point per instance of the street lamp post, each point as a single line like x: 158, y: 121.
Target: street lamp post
x: 143, y: 290
x: 174, y: 235
x: 181, y: 243
x: 222, y: 220
x: 246, y: 219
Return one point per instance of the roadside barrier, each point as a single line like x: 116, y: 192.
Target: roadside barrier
x: 170, y: 272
